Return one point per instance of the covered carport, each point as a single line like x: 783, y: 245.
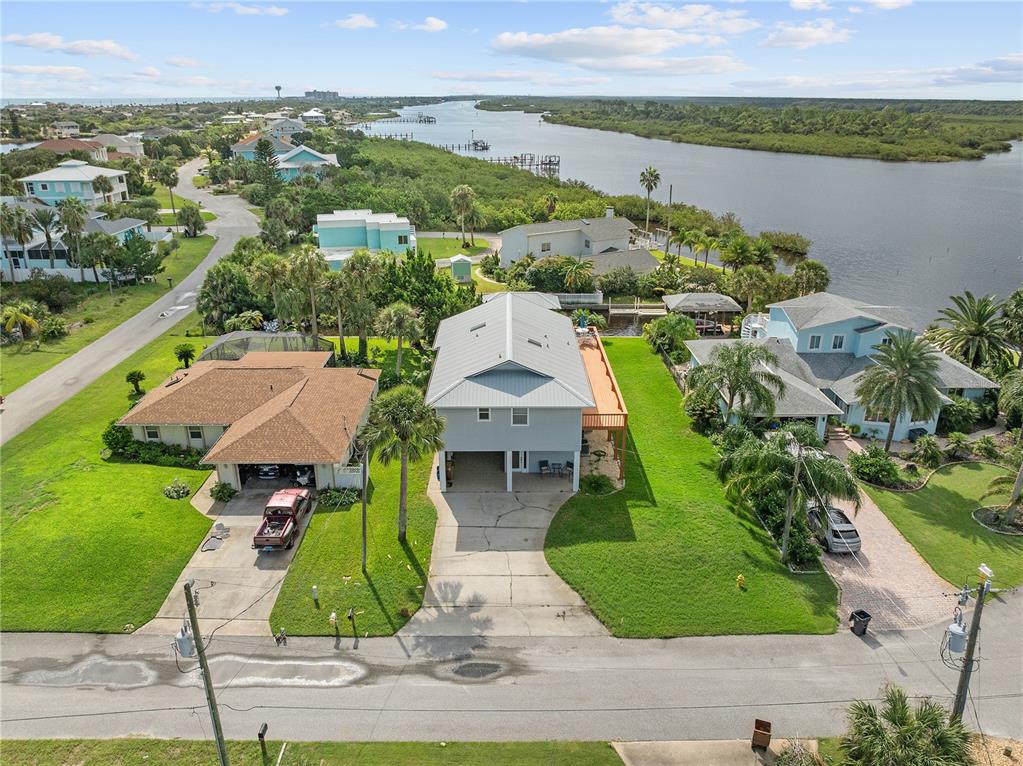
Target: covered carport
x: 500, y: 471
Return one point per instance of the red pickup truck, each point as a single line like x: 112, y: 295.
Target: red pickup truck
x: 281, y: 516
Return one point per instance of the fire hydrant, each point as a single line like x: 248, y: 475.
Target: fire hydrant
x: 740, y: 581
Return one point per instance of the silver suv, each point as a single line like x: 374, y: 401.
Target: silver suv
x: 833, y: 528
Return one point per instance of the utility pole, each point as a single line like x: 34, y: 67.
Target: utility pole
x: 207, y: 681
x: 963, y: 689
x: 365, y: 481
x: 667, y: 238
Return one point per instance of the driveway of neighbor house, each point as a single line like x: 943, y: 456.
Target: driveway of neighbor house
x: 488, y: 574
x: 887, y: 577
x: 237, y: 585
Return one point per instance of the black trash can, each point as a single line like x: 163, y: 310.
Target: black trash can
x: 860, y: 619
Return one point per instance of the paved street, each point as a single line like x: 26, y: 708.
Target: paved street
x: 436, y: 688
x: 45, y: 392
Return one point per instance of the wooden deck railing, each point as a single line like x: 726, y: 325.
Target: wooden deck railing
x: 598, y: 422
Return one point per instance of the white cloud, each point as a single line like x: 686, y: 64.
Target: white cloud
x: 525, y: 76
x: 889, y: 5
x: 46, y: 41
x: 241, y: 9
x: 697, y: 16
x: 184, y: 62
x: 808, y: 35
x: 809, y: 5
x: 584, y: 43
x: 1001, y: 69
x: 75, y: 73
x: 429, y: 24
x: 854, y: 9
x: 355, y: 21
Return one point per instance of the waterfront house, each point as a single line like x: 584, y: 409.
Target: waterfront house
x: 96, y: 151
x: 823, y: 343
x: 517, y: 385
x: 74, y: 178
x: 246, y: 147
x: 577, y: 238
x: 292, y: 161
x: 283, y: 408
x: 285, y: 128
x: 313, y: 117
x: 127, y: 146
x: 343, y: 232
x: 64, y: 129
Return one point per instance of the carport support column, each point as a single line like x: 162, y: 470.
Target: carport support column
x: 442, y: 473
x: 508, y: 471
x: 575, y: 473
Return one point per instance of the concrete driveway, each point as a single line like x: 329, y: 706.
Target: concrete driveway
x: 237, y: 585
x: 887, y: 577
x: 488, y: 574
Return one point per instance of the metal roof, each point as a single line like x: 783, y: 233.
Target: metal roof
x: 544, y: 300
x: 819, y: 309
x: 509, y: 351
x: 638, y: 259
x: 708, y: 302
x: 595, y: 228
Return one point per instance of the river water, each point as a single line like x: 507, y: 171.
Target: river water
x: 908, y: 234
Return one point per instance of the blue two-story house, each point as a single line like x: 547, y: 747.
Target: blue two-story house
x: 343, y: 232
x: 823, y: 343
x: 292, y: 161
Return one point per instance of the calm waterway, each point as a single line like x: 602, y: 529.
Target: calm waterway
x: 909, y: 234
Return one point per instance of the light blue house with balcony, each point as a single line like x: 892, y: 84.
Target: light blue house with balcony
x: 343, y: 232
x: 292, y: 161
x: 74, y: 178
x: 823, y: 343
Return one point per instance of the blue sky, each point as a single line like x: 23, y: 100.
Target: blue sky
x: 884, y: 48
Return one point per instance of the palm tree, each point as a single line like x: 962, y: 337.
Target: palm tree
x: 270, y: 274
x: 762, y: 253
x: 306, y: 270
x: 184, y: 353
x: 1010, y: 398
x: 550, y: 202
x: 401, y: 321
x: 135, y: 377
x: 364, y: 271
x: 741, y: 373
x: 17, y: 225
x: 974, y: 330
x: 462, y: 200
x: 649, y: 179
x: 897, y: 735
x: 956, y: 444
x: 999, y: 484
x: 780, y: 464
x: 903, y: 378
x: 810, y: 276
x: 578, y: 274
x: 335, y: 297
x: 103, y: 186
x: 679, y: 238
x: 1012, y: 316
x: 748, y: 281
x: 18, y: 317
x: 45, y: 219
x: 401, y: 425
x: 475, y: 220
x: 246, y: 320
x: 73, y: 217
x: 707, y: 244
x: 165, y: 174
x: 736, y: 252
x: 691, y: 239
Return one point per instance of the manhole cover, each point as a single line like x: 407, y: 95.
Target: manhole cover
x: 476, y: 669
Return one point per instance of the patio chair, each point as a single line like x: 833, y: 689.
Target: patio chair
x: 545, y: 467
x: 569, y: 467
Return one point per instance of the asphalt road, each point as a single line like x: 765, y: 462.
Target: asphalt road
x: 431, y: 688
x: 28, y: 403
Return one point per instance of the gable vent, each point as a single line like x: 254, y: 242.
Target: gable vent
x: 477, y: 327
x: 536, y: 343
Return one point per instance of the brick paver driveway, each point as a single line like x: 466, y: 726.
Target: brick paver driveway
x: 887, y: 577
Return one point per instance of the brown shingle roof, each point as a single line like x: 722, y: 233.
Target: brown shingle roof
x: 64, y: 145
x: 300, y: 413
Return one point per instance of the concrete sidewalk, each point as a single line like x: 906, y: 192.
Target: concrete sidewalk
x: 728, y: 752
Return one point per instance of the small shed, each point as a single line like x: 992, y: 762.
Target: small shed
x: 461, y: 268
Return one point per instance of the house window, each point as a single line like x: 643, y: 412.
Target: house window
x: 30, y: 188
x: 886, y: 341
x: 44, y: 187
x: 403, y: 239
x: 875, y: 417
x: 152, y: 434
x: 586, y: 243
x: 195, y: 433
x: 520, y: 416
x: 815, y: 342
x: 545, y: 247
x: 483, y: 415
x: 837, y: 342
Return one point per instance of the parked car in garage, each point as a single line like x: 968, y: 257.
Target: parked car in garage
x: 833, y: 528
x: 281, y: 518
x: 268, y: 471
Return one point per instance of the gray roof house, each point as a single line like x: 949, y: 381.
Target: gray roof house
x: 578, y: 238
x: 514, y: 391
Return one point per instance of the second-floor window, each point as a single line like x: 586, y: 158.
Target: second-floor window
x: 483, y: 414
x: 545, y: 247
x: 815, y: 342
x: 837, y: 343
x: 403, y: 239
x: 520, y: 416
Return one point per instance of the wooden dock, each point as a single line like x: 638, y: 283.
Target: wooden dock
x: 476, y: 145
x: 421, y: 119
x: 636, y: 309
x: 548, y: 165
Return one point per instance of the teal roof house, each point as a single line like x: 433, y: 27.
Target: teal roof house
x: 292, y: 161
x: 344, y: 231
x: 74, y: 178
x: 823, y: 343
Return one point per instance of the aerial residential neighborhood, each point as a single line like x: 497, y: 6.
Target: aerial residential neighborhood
x: 669, y: 412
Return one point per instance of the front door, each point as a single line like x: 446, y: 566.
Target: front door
x: 520, y: 461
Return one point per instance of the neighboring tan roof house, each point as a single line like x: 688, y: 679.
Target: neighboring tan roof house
x: 93, y: 149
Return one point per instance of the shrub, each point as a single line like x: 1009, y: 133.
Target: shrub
x: 959, y: 415
x: 490, y: 264
x: 596, y: 484
x: 621, y: 280
x: 732, y: 437
x: 335, y: 497
x: 119, y: 440
x: 928, y: 451
x: 222, y: 492
x: 986, y: 448
x: 875, y: 466
x: 53, y: 327
x: 704, y: 411
x: 177, y: 490
x: 668, y: 335
x: 804, y: 433
x: 55, y: 291
x: 796, y: 754
x: 200, y: 182
x: 958, y: 445
x: 770, y: 507
x: 787, y: 242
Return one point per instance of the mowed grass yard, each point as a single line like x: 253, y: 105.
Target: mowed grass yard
x: 445, y: 247
x: 169, y: 219
x: 660, y: 558
x: 937, y: 522
x: 176, y: 752
x: 99, y: 313
x: 89, y: 545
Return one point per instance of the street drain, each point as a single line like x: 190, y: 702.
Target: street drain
x: 476, y: 669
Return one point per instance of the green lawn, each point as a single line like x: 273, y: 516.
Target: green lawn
x: 98, y: 313
x: 660, y: 557
x: 176, y: 752
x: 162, y: 195
x: 687, y: 258
x: 258, y: 212
x: 169, y: 219
x: 937, y: 522
x: 481, y: 284
x: 90, y: 545
x: 449, y: 246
